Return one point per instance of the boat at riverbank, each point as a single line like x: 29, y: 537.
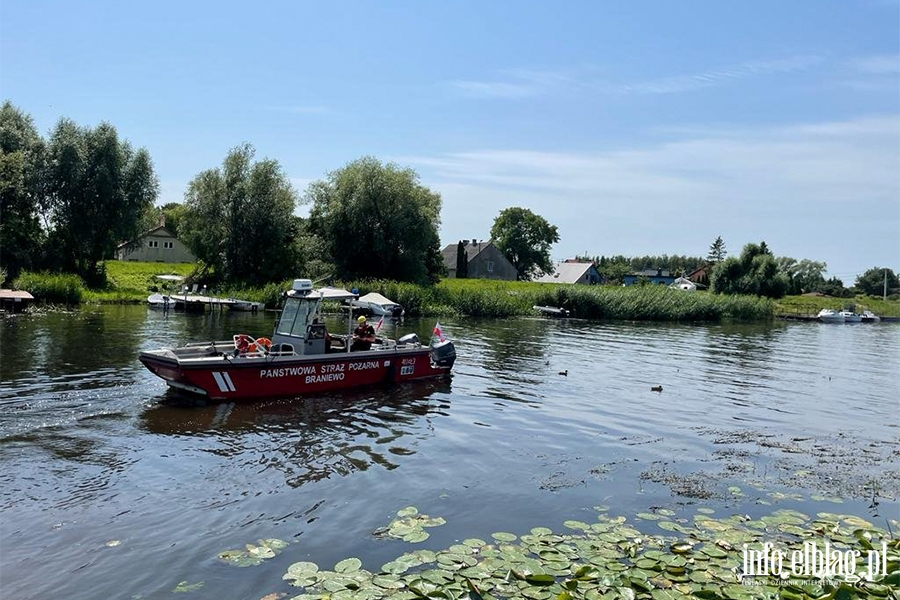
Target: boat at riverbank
x: 300, y: 358
x: 378, y: 305
x: 551, y: 311
x: 827, y: 315
x: 850, y: 316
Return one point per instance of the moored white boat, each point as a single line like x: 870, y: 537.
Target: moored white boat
x: 868, y: 316
x: 159, y: 301
x: 850, y: 316
x: 827, y: 315
x: 378, y: 305
x: 245, y: 305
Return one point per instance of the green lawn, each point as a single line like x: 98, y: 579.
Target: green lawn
x: 134, y: 281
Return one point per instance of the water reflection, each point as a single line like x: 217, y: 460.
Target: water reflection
x: 89, y: 453
x: 311, y: 439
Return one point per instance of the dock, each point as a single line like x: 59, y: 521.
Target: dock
x: 196, y: 303
x: 14, y: 300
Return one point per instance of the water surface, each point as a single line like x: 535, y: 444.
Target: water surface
x: 108, y: 491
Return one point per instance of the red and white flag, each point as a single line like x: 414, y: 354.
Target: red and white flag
x: 438, y: 332
x: 379, y: 324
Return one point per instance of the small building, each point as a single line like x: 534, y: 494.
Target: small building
x: 484, y: 261
x: 572, y: 271
x: 654, y: 276
x: 156, y: 245
x: 700, y: 274
x: 15, y: 301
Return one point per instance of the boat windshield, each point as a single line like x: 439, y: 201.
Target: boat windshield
x: 294, y: 317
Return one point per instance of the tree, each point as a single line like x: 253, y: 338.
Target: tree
x: 462, y: 261
x: 173, y: 213
x: 98, y: 187
x: 239, y: 220
x: 377, y: 221
x: 803, y: 276
x: 717, y: 251
x: 168, y: 214
x: 835, y: 287
x: 872, y: 281
x: 754, y: 272
x: 525, y: 239
x: 21, y: 165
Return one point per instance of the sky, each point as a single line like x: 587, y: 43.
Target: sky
x: 635, y: 127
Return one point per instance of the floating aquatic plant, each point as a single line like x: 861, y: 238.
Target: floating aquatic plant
x: 409, y: 526
x: 185, y: 587
x: 611, y: 558
x: 254, y: 554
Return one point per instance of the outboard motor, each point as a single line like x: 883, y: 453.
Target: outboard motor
x: 443, y: 354
x: 410, y: 339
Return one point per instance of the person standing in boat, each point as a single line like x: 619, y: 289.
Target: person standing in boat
x: 363, y: 335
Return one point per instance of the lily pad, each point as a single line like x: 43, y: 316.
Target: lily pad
x: 348, y: 565
x: 185, y: 587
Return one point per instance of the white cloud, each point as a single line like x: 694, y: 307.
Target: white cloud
x: 877, y: 64
x: 826, y: 191
x: 300, y: 109
x: 526, y: 83
x: 713, y: 77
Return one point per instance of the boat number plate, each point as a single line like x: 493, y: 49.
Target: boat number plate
x: 407, y: 370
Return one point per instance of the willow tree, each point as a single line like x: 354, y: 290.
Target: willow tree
x: 754, y: 272
x: 377, y: 221
x: 239, y: 219
x: 98, y: 187
x: 21, y: 169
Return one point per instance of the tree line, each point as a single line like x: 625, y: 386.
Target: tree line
x: 69, y: 200
x: 756, y: 271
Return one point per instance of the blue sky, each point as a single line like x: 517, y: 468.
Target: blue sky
x: 636, y: 128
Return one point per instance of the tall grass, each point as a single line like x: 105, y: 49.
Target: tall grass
x: 485, y: 298
x: 51, y: 287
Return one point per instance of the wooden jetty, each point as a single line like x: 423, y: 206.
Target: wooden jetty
x: 197, y: 303
x: 14, y: 300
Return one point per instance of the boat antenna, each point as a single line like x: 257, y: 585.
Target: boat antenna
x: 323, y: 279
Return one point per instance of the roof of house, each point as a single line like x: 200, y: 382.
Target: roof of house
x: 159, y: 229
x: 15, y: 294
x: 566, y: 272
x: 652, y: 273
x: 473, y: 249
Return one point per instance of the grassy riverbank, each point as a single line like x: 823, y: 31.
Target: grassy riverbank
x: 134, y: 281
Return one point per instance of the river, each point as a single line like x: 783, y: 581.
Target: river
x: 109, y: 491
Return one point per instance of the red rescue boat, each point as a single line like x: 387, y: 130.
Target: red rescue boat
x: 301, y: 357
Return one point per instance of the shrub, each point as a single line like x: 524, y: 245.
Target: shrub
x: 51, y: 287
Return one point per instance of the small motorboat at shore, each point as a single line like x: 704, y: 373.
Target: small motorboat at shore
x: 868, y: 316
x: 160, y: 301
x: 374, y: 303
x: 850, y: 316
x: 552, y: 311
x: 245, y: 305
x: 301, y: 357
x: 827, y: 315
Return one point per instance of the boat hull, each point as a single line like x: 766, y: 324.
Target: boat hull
x: 224, y: 377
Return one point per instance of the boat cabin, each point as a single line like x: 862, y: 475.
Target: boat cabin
x: 300, y: 330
